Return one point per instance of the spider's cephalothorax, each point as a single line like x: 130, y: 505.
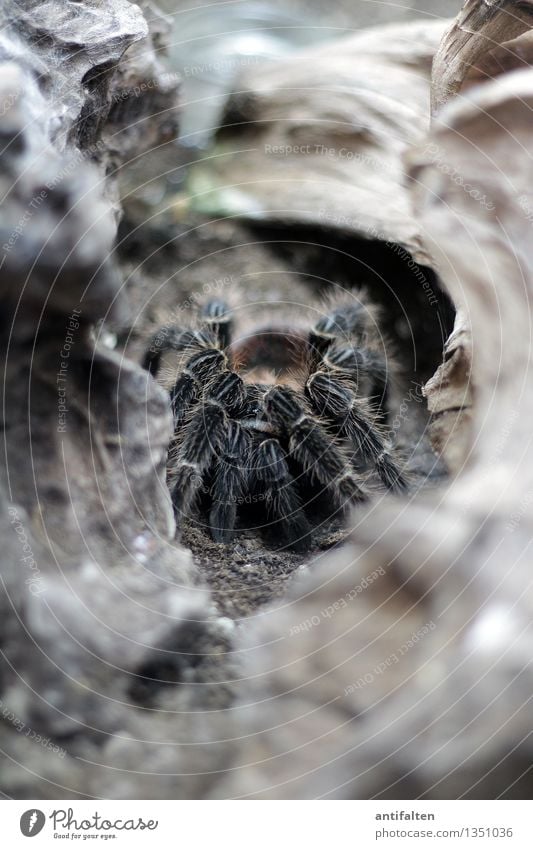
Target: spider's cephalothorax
x: 286, y: 422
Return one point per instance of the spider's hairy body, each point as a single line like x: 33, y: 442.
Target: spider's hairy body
x: 287, y: 415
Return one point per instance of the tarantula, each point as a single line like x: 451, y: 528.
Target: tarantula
x: 288, y: 419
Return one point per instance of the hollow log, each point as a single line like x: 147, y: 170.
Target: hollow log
x: 398, y: 665
x: 401, y: 665
x: 320, y: 137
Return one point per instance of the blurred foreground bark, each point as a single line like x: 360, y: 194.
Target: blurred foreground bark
x: 94, y: 594
x: 402, y: 664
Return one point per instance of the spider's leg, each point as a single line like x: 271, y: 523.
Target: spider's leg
x: 230, y: 483
x: 203, y: 436
x: 344, y: 321
x: 283, y: 503
x: 201, y: 443
x: 312, y: 447
x: 216, y: 314
x: 228, y: 389
x: 182, y: 396
x: 198, y: 369
x: 172, y: 338
x: 365, y: 369
x: 335, y: 401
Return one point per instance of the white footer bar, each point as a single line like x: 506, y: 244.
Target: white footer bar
x: 266, y: 825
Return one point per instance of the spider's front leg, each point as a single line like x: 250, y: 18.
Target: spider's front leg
x: 335, y: 401
x: 203, y: 438
x: 216, y: 314
x: 346, y: 320
x: 230, y: 483
x: 312, y: 447
x: 365, y: 369
x: 177, y: 339
x: 198, y: 369
x: 277, y: 487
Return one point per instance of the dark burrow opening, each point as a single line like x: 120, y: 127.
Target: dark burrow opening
x: 170, y: 266
x: 416, y: 313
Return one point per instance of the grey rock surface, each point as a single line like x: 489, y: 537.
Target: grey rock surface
x: 109, y: 642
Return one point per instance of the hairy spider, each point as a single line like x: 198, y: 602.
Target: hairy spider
x: 286, y: 417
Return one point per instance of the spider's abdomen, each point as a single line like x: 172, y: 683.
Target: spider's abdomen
x: 275, y: 349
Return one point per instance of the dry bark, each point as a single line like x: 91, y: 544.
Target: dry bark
x: 318, y: 139
x: 343, y: 705
x: 486, y: 39
x: 450, y: 396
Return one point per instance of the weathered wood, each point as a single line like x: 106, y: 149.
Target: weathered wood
x: 450, y: 395
x: 318, y: 139
x: 485, y: 40
x: 369, y: 709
